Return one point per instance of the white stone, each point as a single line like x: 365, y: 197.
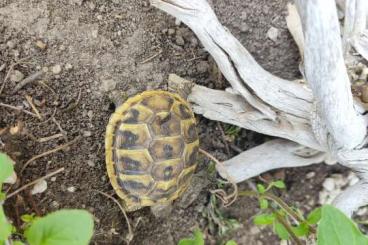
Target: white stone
x: 56, y: 69
x: 107, y: 85
x: 273, y: 33
x: 329, y: 184
x: 16, y: 76
x: 39, y: 187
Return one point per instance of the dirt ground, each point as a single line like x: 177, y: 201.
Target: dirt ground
x: 87, y: 49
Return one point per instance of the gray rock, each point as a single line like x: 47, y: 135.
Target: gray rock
x: 56, y: 69
x: 202, y: 66
x: 179, y: 40
x: 273, y: 33
x: 16, y: 76
x: 108, y: 85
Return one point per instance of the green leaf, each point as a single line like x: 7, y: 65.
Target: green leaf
x: 27, y: 218
x: 5, y: 227
x: 2, y: 195
x: 264, y: 219
x: 197, y: 240
x: 231, y: 242
x: 263, y: 203
x: 261, y: 188
x: 6, y: 167
x: 72, y: 227
x: 281, y: 231
x: 336, y: 228
x: 301, y: 230
x: 314, y: 216
x: 279, y: 184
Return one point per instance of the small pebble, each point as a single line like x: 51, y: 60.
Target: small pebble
x: 94, y: 33
x: 91, y: 163
x: 56, y: 69
x: 202, y: 66
x: 273, y: 33
x: 68, y: 67
x: 87, y: 133
x: 55, y: 204
x: 310, y: 175
x: 71, y: 189
x: 41, y: 44
x: 329, y: 184
x: 171, y: 31
x: 177, y: 22
x: 2, y: 67
x: 39, y: 187
x: 16, y: 76
x: 108, y: 85
x: 193, y: 42
x: 10, y: 44
x: 53, y: 179
x: 91, y: 5
x: 179, y: 40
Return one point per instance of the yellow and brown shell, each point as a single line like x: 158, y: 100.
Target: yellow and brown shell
x: 151, y: 149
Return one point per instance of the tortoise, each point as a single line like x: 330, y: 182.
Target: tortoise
x: 151, y: 150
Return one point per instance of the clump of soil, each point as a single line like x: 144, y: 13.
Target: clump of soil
x: 87, y: 49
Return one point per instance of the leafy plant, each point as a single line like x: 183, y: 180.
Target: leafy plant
x: 198, y: 239
x: 328, y: 224
x: 74, y: 227
x: 232, y: 130
x: 218, y: 223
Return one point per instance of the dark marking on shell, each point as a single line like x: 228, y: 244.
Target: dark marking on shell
x: 191, y: 133
x: 184, y: 112
x: 191, y: 160
x: 134, y: 116
x: 168, y: 151
x: 168, y: 173
x: 131, y: 165
x: 135, y: 186
x: 129, y: 139
x: 134, y: 198
x: 158, y: 194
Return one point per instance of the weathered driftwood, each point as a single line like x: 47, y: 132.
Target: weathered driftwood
x: 320, y: 116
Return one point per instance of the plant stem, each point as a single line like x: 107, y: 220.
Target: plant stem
x: 287, y: 227
x: 280, y: 203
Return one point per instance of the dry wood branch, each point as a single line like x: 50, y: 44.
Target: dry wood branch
x: 233, y: 109
x: 34, y: 108
x: 355, y: 21
x: 27, y: 80
x: 327, y: 75
x: 236, y: 63
x: 18, y: 109
x: 360, y: 43
x: 273, y: 154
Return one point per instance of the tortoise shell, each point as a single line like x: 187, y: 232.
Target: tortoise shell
x: 151, y: 149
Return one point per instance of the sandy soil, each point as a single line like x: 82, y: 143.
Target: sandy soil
x: 89, y: 50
